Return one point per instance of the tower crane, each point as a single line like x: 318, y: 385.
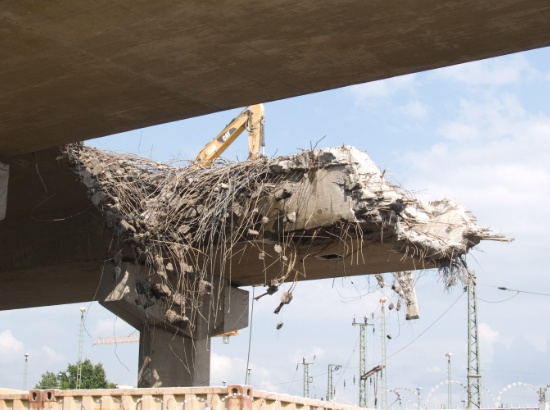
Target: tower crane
x: 131, y: 338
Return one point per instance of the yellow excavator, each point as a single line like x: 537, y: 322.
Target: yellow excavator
x: 251, y: 119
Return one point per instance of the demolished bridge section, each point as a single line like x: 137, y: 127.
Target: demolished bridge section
x: 185, y: 237
x: 282, y: 218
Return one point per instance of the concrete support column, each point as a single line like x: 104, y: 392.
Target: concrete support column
x: 167, y: 359
x: 174, y: 349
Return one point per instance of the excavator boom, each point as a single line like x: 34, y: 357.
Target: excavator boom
x: 251, y: 119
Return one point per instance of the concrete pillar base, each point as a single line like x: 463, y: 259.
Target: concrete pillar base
x: 171, y: 353
x: 168, y: 359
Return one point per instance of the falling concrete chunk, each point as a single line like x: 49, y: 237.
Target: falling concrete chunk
x: 270, y: 291
x: 286, y: 298
x: 406, y: 290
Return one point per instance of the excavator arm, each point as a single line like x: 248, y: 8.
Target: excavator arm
x: 251, y: 119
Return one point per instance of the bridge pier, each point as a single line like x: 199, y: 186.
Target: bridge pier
x: 168, y: 359
x: 174, y: 347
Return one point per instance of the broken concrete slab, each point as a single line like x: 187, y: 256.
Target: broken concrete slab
x: 278, y: 217
x: 186, y: 235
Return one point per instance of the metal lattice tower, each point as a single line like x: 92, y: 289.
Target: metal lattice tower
x: 363, y: 395
x: 330, y: 387
x: 307, y: 379
x: 25, y: 371
x: 474, y: 369
x: 383, y: 372
x: 80, y: 344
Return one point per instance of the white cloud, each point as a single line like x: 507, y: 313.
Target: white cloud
x: 10, y: 347
x: 309, y: 355
x: 111, y: 327
x: 433, y: 369
x: 491, y: 117
x: 232, y: 370
x: 488, y: 337
x: 415, y: 110
x: 495, y: 159
x: 225, y: 368
x: 459, y: 131
x: 489, y: 72
x: 382, y: 88
x: 50, y: 355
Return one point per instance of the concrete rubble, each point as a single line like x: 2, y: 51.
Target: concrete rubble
x: 192, y: 226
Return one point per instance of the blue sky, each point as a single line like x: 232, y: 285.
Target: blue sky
x: 478, y: 133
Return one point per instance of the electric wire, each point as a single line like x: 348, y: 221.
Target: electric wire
x: 395, y: 353
x: 428, y: 328
x: 416, y: 338
x: 346, y: 366
x: 498, y: 301
x: 250, y: 336
x: 291, y: 382
x: 523, y: 291
x: 514, y: 290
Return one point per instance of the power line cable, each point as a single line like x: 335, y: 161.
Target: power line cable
x: 250, y: 335
x: 428, y: 328
x: 395, y: 353
x: 513, y: 290
x: 499, y: 301
x: 522, y: 291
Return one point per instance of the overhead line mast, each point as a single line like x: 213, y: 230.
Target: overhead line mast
x: 330, y: 386
x: 474, y: 368
x: 307, y: 377
x: 80, y: 343
x: 383, y: 371
x: 363, y: 393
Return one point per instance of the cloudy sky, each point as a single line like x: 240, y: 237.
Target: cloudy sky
x: 478, y: 133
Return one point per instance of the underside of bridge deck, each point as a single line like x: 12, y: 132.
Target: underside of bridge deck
x: 77, y: 70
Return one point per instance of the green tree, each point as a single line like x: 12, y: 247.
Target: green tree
x: 93, y: 377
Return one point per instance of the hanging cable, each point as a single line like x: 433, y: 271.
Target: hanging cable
x: 250, y: 336
x: 499, y: 301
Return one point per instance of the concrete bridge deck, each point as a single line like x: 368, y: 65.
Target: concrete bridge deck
x: 72, y: 71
